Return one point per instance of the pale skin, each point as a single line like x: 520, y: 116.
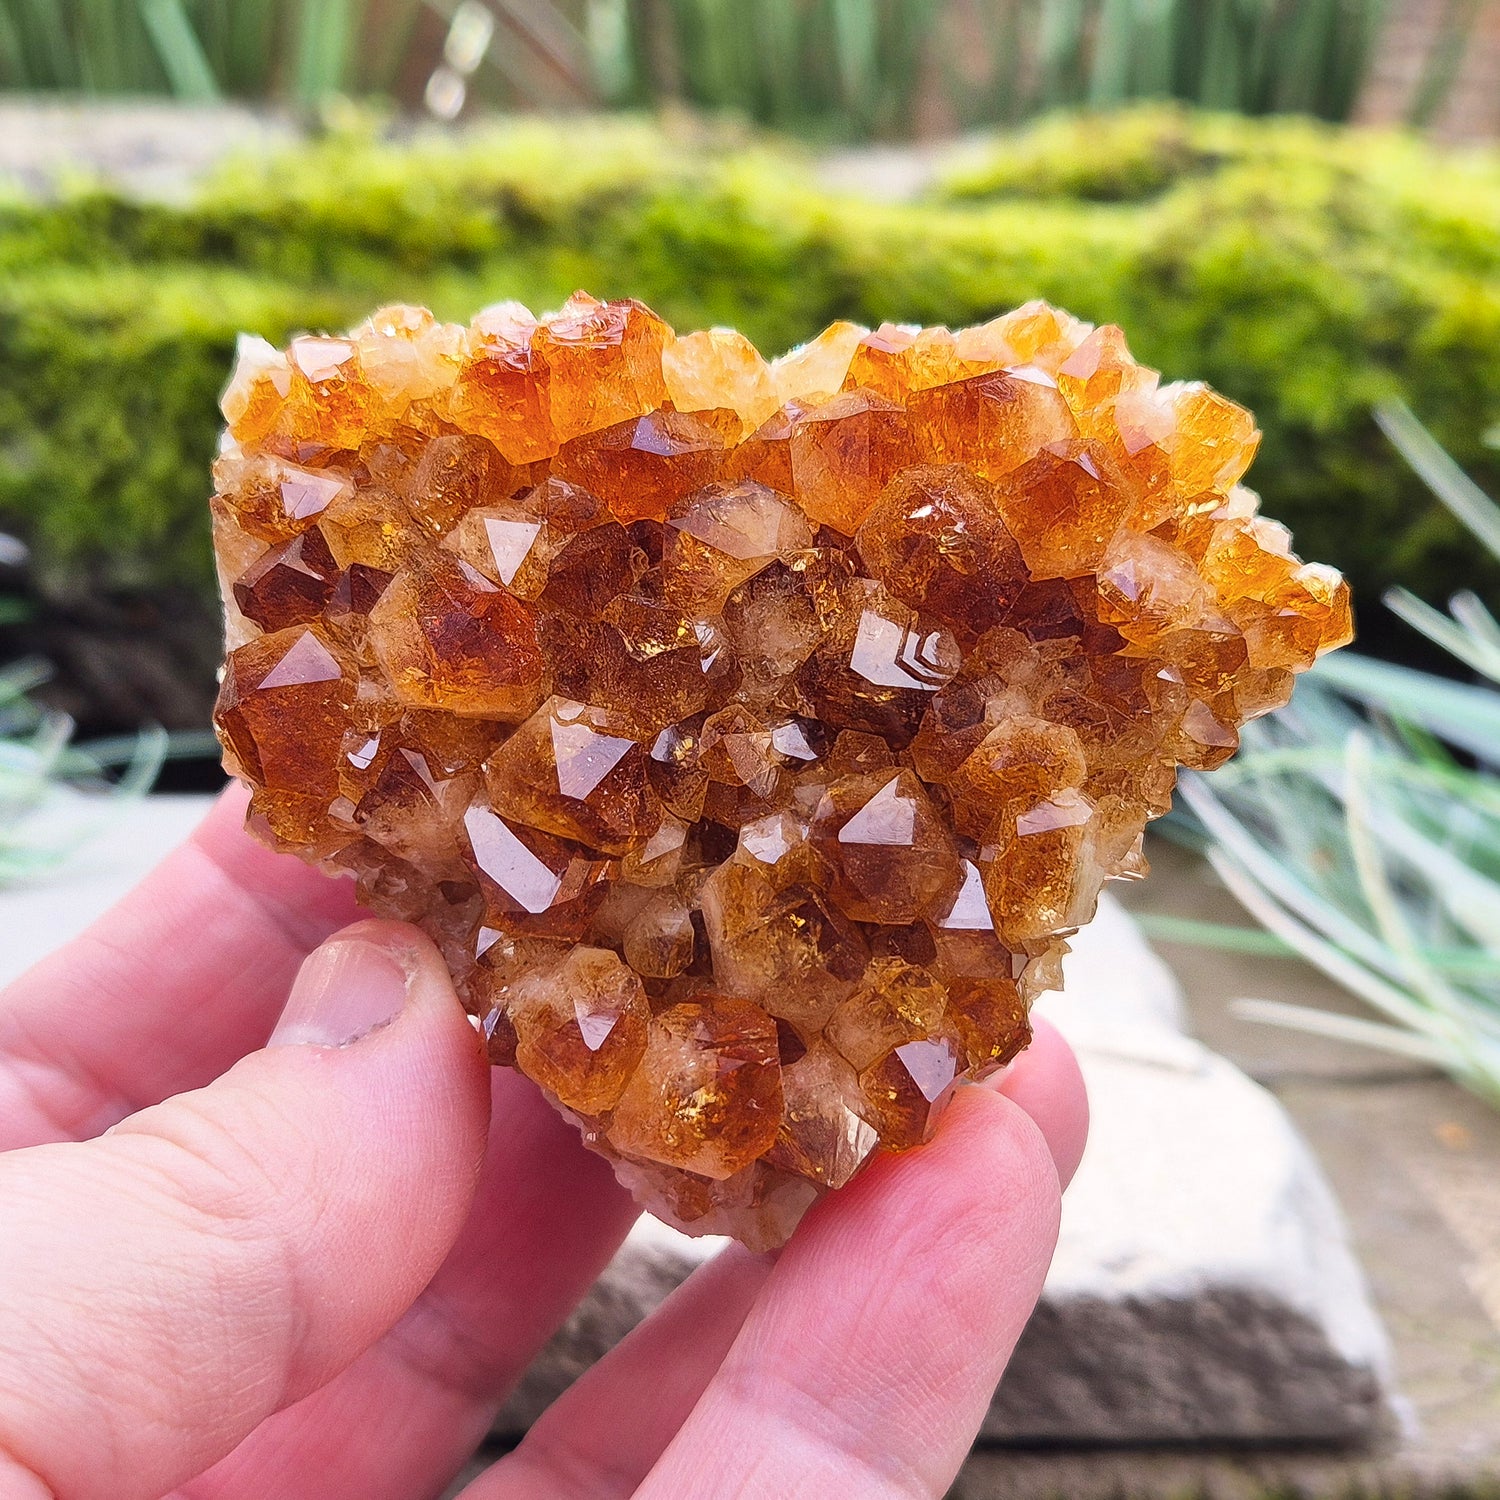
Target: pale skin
x: 230, y: 1270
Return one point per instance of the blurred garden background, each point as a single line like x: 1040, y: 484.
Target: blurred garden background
x: 1295, y: 200
x: 1176, y: 166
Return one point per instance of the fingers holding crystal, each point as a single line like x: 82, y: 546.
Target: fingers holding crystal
x: 546, y: 1217
x: 602, y: 1436
x: 218, y: 1256
x: 1046, y: 1082
x: 606, y: 1433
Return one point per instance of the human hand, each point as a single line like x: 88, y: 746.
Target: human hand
x: 237, y: 1270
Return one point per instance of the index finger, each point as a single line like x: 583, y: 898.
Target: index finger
x: 175, y: 982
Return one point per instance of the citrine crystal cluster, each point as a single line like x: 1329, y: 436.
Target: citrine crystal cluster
x: 748, y: 735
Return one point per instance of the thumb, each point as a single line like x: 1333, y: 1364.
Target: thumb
x: 166, y: 1287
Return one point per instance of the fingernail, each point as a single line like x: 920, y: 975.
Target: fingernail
x: 344, y: 990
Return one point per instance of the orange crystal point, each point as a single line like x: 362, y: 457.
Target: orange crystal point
x: 748, y: 734
x: 706, y: 1098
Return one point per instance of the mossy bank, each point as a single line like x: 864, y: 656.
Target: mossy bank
x: 1304, y: 271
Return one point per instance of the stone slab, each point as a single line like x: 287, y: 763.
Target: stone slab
x: 1203, y: 1287
x: 154, y: 149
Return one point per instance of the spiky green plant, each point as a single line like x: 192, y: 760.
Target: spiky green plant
x: 198, y: 50
x: 54, y: 796
x: 861, y: 67
x: 832, y: 68
x: 1361, y: 825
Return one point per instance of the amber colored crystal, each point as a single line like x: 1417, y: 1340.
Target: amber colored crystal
x: 936, y: 540
x: 707, y: 1095
x: 891, y: 858
x: 581, y: 1027
x: 906, y: 1088
x: 990, y: 423
x: 716, y: 370
x: 455, y: 474
x: 775, y: 933
x: 578, y: 772
x: 531, y: 883
x: 504, y: 388
x: 723, y: 536
x: 748, y: 735
x: 844, y: 453
x: 448, y: 638
x: 826, y: 1135
x: 291, y: 584
x: 604, y: 362
x: 641, y: 467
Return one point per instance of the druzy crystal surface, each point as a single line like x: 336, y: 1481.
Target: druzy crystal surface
x: 748, y: 734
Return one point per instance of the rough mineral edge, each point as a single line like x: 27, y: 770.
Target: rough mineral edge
x: 749, y: 735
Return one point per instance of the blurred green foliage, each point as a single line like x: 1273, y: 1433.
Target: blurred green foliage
x: 847, y: 69
x: 299, y: 51
x: 859, y: 68
x: 1305, y: 272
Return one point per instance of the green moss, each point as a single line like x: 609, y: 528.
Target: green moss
x: 108, y: 422
x: 1304, y: 271
x: 1137, y: 154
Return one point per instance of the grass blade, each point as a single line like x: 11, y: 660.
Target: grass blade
x: 1469, y: 610
x: 1467, y: 646
x: 324, y: 44
x: 179, y: 50
x: 1466, y: 716
x: 1162, y: 927
x: 1341, y: 1028
x: 1443, y: 62
x: 1440, y: 473
x: 1328, y: 956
